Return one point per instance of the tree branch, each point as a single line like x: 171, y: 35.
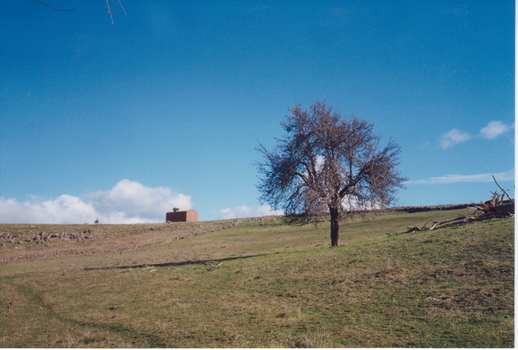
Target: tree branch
x: 512, y: 200
x: 55, y: 9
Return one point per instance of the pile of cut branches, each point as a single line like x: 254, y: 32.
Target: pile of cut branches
x: 494, y: 208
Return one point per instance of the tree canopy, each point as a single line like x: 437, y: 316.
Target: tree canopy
x: 328, y: 165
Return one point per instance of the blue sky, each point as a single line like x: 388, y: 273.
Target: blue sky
x: 166, y: 106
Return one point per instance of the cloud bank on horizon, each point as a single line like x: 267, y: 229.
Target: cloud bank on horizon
x: 128, y: 202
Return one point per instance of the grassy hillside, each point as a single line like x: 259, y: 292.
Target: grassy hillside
x: 261, y: 284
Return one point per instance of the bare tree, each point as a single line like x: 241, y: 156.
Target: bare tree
x: 327, y: 165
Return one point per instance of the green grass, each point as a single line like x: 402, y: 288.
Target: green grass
x: 262, y: 284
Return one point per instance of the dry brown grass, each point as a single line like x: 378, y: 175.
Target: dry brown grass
x: 273, y: 286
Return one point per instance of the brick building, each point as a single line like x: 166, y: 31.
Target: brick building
x: 184, y: 216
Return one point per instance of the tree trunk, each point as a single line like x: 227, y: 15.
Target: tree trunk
x: 335, y: 227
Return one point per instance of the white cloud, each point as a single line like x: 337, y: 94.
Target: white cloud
x: 494, y: 129
x: 65, y: 209
x: 247, y: 212
x: 128, y: 202
x: 491, y: 131
x: 453, y: 137
x: 448, y: 179
x: 133, y: 200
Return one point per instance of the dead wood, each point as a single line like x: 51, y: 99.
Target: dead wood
x: 460, y: 219
x: 494, y: 208
x: 508, y: 196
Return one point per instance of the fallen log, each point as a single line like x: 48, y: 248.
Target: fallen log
x: 502, y: 210
x: 435, y: 224
x: 494, y: 208
x: 471, y: 218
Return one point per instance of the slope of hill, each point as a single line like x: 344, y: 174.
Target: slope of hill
x: 261, y: 284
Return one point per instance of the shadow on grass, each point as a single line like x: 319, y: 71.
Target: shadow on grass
x: 181, y: 263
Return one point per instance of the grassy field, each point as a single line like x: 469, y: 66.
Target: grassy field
x: 260, y: 284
